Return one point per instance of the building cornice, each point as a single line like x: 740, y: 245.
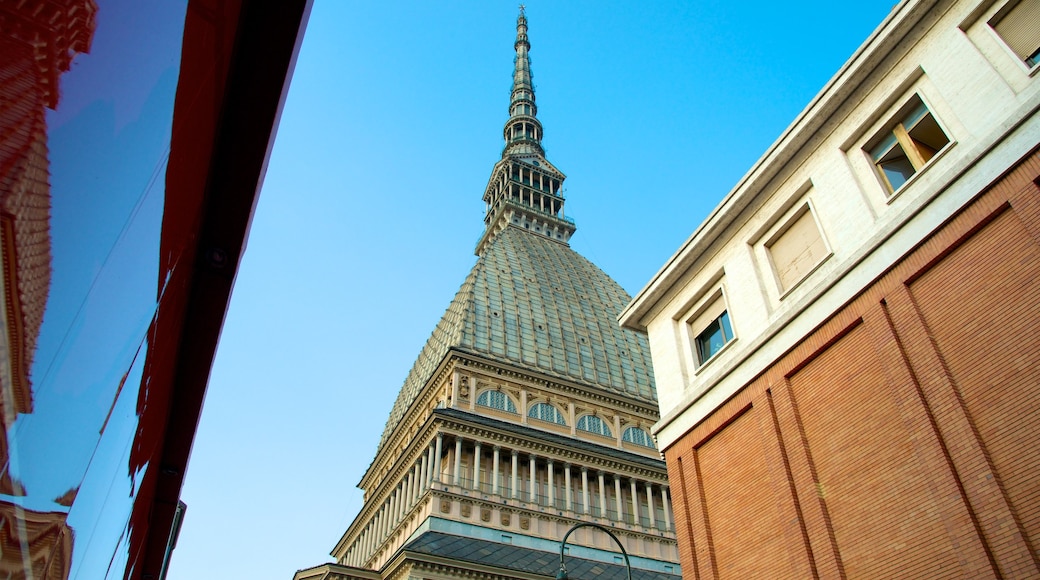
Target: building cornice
x: 833, y: 101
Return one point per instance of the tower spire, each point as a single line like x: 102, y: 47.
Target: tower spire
x: 525, y: 190
x: 523, y: 131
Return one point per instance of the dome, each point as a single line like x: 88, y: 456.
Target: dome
x: 538, y: 305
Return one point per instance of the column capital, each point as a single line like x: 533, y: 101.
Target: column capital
x: 497, y: 447
x: 514, y: 452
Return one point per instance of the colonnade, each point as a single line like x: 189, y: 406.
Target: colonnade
x: 520, y: 476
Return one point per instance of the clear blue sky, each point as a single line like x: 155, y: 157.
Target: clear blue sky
x: 372, y: 206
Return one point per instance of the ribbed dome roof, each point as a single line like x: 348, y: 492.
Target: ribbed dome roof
x: 537, y: 304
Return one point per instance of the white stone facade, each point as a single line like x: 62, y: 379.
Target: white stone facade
x: 945, y: 55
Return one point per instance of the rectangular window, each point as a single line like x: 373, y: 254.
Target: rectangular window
x: 1019, y: 27
x: 903, y: 149
x: 797, y: 248
x: 709, y: 327
x: 714, y: 337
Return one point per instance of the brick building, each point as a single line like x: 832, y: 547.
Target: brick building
x: 846, y: 351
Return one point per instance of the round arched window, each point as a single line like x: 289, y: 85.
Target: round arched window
x: 637, y: 436
x: 594, y: 424
x: 496, y: 400
x: 546, y: 412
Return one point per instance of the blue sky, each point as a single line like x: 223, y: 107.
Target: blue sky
x: 372, y: 206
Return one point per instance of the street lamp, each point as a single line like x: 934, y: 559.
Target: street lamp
x: 562, y: 574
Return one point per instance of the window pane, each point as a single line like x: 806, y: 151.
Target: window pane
x: 594, y: 425
x: 496, y: 400
x: 726, y: 328
x: 713, y: 338
x: 928, y: 137
x: 637, y: 436
x: 884, y: 147
x: 896, y: 167
x: 547, y: 413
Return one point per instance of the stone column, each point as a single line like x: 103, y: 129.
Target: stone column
x: 494, y: 468
x: 513, y: 491
x: 456, y: 478
x: 532, y: 493
x: 650, y: 505
x: 551, y: 485
x: 371, y: 541
x: 402, y: 499
x: 635, y: 501
x: 407, y: 487
x: 399, y: 514
x: 455, y: 389
x: 476, y: 466
x: 602, y: 496
x: 416, y: 473
x: 523, y: 407
x: 429, y: 466
x: 617, y: 499
x: 584, y: 489
x: 567, y: 485
x: 667, y: 509
x: 437, y: 458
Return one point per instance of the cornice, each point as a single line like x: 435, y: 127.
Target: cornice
x: 833, y: 102
x: 542, y: 380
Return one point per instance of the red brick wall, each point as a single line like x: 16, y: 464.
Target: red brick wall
x: 901, y: 439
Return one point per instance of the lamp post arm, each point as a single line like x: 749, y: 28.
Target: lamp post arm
x: 563, y: 546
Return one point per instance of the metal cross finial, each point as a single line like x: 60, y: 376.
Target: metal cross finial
x: 521, y: 8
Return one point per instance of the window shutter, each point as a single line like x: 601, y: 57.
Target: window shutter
x: 797, y: 250
x: 1020, y: 28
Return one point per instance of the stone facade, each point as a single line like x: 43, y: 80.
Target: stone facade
x: 865, y: 405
